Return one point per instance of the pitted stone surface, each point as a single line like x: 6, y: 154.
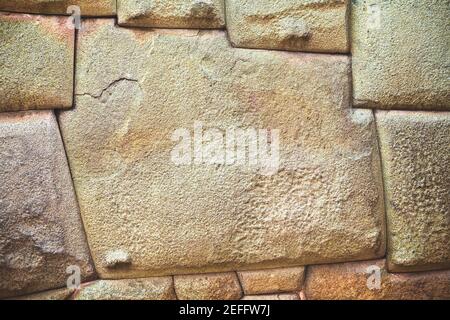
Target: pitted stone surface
x: 217, y: 286
x: 136, y: 87
x: 297, y: 25
x: 358, y: 281
x: 400, y: 54
x: 87, y: 7
x: 272, y: 280
x: 158, y: 288
x: 40, y: 229
x: 202, y: 14
x: 36, y: 62
x: 415, y: 148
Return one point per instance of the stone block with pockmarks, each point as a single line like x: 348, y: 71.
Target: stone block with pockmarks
x: 272, y: 280
x: 36, y: 62
x: 201, y: 14
x: 415, y: 150
x: 400, y: 54
x: 152, y: 205
x: 216, y: 286
x: 368, y: 280
x: 60, y: 7
x: 296, y: 25
x: 158, y: 288
x: 41, y: 233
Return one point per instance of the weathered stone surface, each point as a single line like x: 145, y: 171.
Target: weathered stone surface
x: 272, y: 280
x: 415, y: 148
x: 351, y: 281
x: 204, y: 14
x: 159, y: 288
x: 400, y: 54
x: 136, y: 87
x: 214, y: 286
x: 36, y: 62
x: 40, y: 229
x: 87, y: 7
x: 283, y: 296
x: 57, y: 294
x: 297, y: 25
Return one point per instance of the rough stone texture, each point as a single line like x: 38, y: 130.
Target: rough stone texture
x: 284, y: 296
x: 400, y: 54
x: 160, y: 288
x: 36, y: 62
x: 218, y: 286
x: 58, y: 294
x: 40, y: 229
x: 204, y: 14
x: 297, y: 25
x: 87, y: 7
x: 272, y: 280
x: 136, y: 87
x: 415, y: 148
x: 349, y: 281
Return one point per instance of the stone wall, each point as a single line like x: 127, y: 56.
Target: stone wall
x: 224, y: 149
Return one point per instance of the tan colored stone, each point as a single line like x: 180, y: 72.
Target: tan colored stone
x: 58, y: 294
x: 135, y: 88
x: 36, y: 62
x: 40, y: 228
x: 415, y: 148
x: 296, y: 25
x: 400, y: 54
x: 351, y: 281
x: 216, y: 286
x: 204, y: 14
x: 159, y: 288
x: 283, y: 296
x: 87, y: 7
x: 272, y: 280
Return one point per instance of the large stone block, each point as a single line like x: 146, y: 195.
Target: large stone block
x: 217, y: 286
x: 41, y: 233
x: 297, y: 25
x: 272, y: 280
x: 36, y: 62
x: 400, y: 54
x: 202, y: 14
x: 158, y: 288
x: 415, y: 148
x: 370, y: 280
x: 146, y: 214
x: 87, y: 7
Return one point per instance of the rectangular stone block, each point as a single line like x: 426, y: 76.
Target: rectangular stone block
x: 296, y: 25
x: 272, y: 280
x: 216, y: 286
x: 60, y: 7
x: 400, y: 54
x: 196, y: 14
x: 158, y: 288
x: 415, y: 149
x: 36, y: 62
x: 369, y: 280
x: 41, y: 233
x: 153, y: 206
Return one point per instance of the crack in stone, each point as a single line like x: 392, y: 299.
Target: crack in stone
x: 115, y: 82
